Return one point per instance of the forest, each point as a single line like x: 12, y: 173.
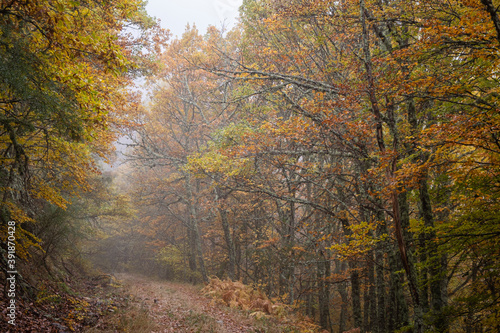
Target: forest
x: 341, y: 157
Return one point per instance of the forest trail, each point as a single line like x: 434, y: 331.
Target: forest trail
x: 178, y: 307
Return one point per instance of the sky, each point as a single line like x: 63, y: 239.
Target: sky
x: 175, y: 14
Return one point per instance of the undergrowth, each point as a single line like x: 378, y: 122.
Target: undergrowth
x: 270, y: 317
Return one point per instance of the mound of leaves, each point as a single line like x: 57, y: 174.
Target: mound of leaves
x: 61, y: 306
x: 237, y: 295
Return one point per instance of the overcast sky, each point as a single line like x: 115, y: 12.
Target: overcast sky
x: 175, y: 14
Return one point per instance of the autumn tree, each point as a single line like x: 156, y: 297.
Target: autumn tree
x: 187, y: 104
x: 65, y: 69
x: 341, y: 155
x: 394, y: 93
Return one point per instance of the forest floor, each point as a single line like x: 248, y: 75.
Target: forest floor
x: 138, y: 304
x: 162, y: 306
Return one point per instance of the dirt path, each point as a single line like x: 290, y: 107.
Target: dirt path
x: 176, y: 307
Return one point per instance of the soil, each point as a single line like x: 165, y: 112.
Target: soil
x: 178, y: 307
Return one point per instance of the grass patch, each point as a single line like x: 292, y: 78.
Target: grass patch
x: 201, y: 323
x: 271, y: 325
x: 129, y: 319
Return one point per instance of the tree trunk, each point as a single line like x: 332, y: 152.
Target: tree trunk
x: 324, y: 293
x: 380, y: 266
x: 193, y: 225
x: 191, y: 248
x: 409, y: 262
x: 398, y: 308
x: 433, y: 258
x: 371, y: 327
x: 355, y: 281
x: 310, y: 300
x: 366, y: 306
x: 231, y: 269
x: 356, y: 296
x: 342, y: 288
x: 291, y: 244
x: 229, y: 242
x: 199, y: 250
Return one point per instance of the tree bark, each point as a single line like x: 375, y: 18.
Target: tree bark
x: 398, y: 307
x: 433, y: 258
x: 366, y: 306
x: 340, y: 266
x: 380, y: 248
x: 229, y: 242
x: 193, y: 225
x: 490, y: 8
x: 324, y: 293
x: 371, y: 327
x: 231, y: 269
x: 356, y: 296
